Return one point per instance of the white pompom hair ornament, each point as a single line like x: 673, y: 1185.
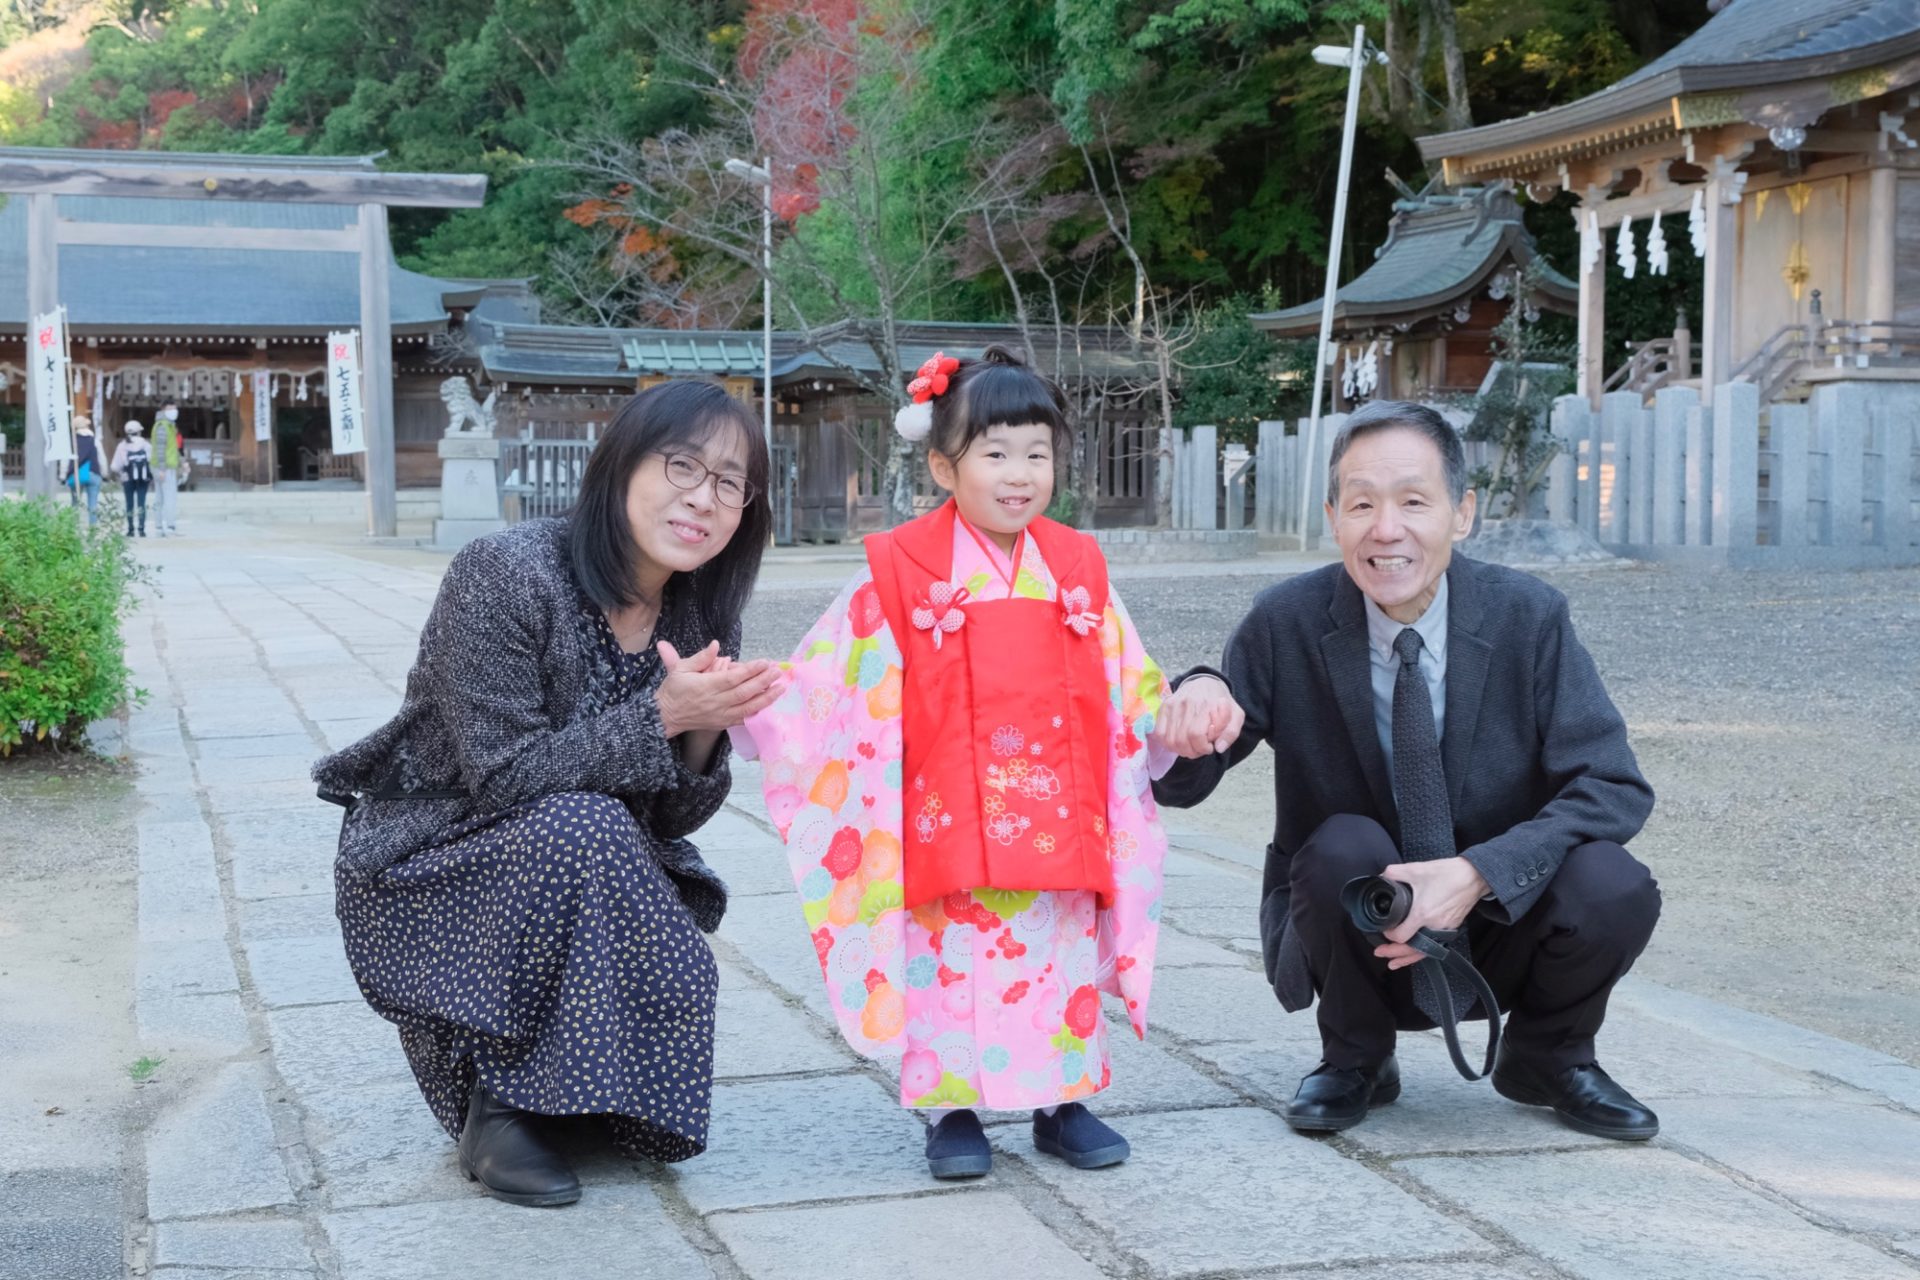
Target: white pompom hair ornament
x: 914, y: 422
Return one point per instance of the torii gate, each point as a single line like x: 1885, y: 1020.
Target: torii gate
x: 44, y: 174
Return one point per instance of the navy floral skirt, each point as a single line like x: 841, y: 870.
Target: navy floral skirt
x: 544, y: 951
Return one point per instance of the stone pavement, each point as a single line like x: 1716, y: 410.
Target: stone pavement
x: 290, y: 1141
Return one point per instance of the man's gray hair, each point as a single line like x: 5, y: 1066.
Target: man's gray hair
x: 1387, y: 415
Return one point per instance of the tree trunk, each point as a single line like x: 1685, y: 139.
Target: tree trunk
x: 1403, y: 104
x: 897, y: 481
x: 1459, y: 111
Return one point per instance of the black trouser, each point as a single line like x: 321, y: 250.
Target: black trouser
x: 1551, y: 970
x: 136, y: 492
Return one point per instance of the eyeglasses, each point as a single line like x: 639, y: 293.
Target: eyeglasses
x: 688, y: 472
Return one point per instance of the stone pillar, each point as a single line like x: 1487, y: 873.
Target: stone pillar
x: 1202, y: 504
x: 1270, y: 478
x: 1736, y: 466
x: 1620, y: 413
x: 1569, y: 428
x: 1791, y: 469
x: 1840, y: 414
x: 1699, y: 502
x: 1894, y: 426
x: 469, y: 490
x: 1317, y: 478
x: 1234, y: 464
x: 1640, y: 480
x: 1671, y: 406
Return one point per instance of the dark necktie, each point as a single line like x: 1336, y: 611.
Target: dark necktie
x: 1420, y: 794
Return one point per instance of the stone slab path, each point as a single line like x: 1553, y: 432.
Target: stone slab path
x: 290, y: 1141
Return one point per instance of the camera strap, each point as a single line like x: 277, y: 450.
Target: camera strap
x: 1437, y: 946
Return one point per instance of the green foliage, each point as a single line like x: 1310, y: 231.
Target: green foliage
x: 1531, y: 369
x: 1207, y: 120
x: 13, y: 425
x: 1233, y: 376
x: 62, y: 598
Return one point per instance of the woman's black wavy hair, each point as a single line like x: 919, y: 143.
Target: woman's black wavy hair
x: 681, y: 413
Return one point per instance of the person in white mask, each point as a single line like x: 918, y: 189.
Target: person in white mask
x: 167, y: 465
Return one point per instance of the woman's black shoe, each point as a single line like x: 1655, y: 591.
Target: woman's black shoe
x: 957, y: 1147
x: 504, y: 1151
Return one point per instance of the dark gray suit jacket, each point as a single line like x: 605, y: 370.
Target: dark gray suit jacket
x: 1536, y: 755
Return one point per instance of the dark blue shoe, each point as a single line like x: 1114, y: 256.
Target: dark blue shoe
x: 1077, y: 1136
x: 957, y: 1147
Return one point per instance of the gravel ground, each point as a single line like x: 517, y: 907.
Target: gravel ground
x: 68, y: 1165
x: 1776, y: 716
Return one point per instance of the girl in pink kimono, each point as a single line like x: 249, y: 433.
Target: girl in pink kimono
x: 959, y: 767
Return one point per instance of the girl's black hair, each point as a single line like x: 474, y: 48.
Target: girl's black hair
x: 683, y: 413
x: 998, y: 388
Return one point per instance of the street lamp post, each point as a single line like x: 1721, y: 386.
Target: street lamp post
x: 1354, y: 59
x: 761, y: 176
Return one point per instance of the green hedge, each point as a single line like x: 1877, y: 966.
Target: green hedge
x: 63, y: 592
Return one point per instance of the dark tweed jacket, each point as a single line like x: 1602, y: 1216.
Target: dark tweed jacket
x: 511, y: 699
x: 1536, y: 756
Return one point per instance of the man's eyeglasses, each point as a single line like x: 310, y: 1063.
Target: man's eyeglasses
x: 688, y: 472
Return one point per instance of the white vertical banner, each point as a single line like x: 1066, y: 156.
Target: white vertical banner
x: 343, y: 393
x: 53, y: 405
x: 262, y: 405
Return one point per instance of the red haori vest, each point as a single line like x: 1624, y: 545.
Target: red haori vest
x: 1004, y: 776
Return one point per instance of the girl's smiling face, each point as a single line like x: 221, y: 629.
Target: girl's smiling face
x: 1002, y: 480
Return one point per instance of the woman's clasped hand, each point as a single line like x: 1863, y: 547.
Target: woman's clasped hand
x: 709, y: 691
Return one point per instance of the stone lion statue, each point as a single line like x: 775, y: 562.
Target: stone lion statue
x: 465, y: 415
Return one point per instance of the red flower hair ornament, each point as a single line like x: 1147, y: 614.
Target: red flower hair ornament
x: 915, y: 421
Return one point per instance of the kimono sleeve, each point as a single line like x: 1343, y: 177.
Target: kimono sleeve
x: 830, y: 751
x: 1137, y: 843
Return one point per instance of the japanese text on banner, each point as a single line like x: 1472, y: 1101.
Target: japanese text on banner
x: 52, y: 406
x: 343, y: 393
x: 263, y: 406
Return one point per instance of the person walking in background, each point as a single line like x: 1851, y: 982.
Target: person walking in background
x: 133, y: 467
x: 83, y: 473
x: 166, y: 470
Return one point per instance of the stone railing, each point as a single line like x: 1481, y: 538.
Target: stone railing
x: 1828, y: 483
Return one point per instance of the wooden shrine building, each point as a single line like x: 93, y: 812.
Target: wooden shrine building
x: 1418, y: 323
x: 213, y: 281
x: 830, y: 435
x: 1789, y: 132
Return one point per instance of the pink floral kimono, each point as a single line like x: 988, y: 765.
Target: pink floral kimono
x: 990, y: 998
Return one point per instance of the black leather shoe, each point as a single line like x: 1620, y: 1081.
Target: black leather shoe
x: 1584, y: 1097
x: 1079, y: 1137
x: 1333, y: 1098
x: 504, y: 1151
x: 957, y: 1147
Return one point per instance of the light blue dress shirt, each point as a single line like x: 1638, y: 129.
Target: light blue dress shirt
x: 1381, y: 632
